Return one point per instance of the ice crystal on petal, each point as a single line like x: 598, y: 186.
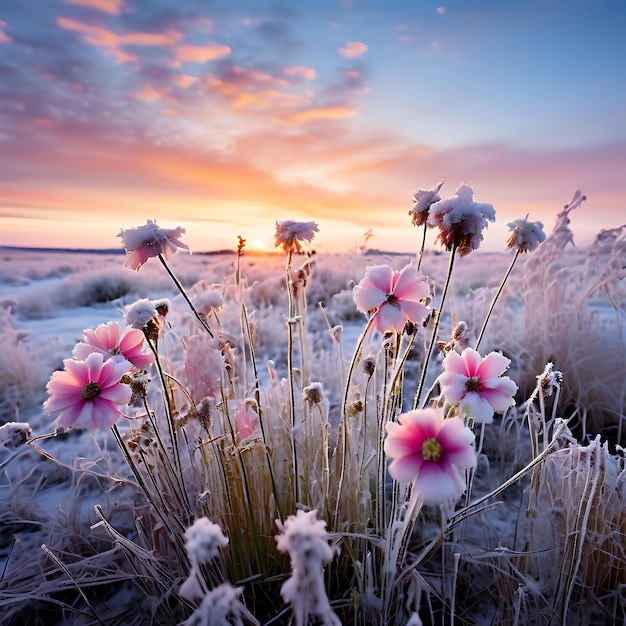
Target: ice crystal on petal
x: 430, y: 451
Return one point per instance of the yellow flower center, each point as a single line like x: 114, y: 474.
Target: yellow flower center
x: 90, y: 391
x: 431, y: 450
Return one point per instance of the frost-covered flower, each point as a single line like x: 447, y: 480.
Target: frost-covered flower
x: 476, y: 384
x: 204, y: 540
x: 305, y: 539
x: 526, y: 236
x: 246, y: 421
x: 15, y: 434
x: 461, y: 220
x: 109, y: 340
x: 290, y: 233
x: 203, y: 367
x: 149, y: 240
x: 140, y: 313
x: 422, y: 201
x: 314, y: 393
x: 87, y: 393
x: 430, y: 451
x: 394, y: 297
x: 221, y: 606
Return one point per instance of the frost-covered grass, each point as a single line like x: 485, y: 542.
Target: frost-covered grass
x: 275, y: 426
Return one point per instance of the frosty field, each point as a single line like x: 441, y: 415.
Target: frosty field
x: 282, y: 411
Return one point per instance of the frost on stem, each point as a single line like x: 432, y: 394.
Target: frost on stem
x: 220, y: 607
x: 305, y: 539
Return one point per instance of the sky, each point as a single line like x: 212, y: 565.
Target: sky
x: 223, y: 116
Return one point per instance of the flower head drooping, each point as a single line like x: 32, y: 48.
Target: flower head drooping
x: 87, y: 393
x: 422, y: 201
x: 393, y: 296
x: 476, y: 385
x: 290, y: 233
x: 461, y: 220
x: 526, y: 236
x: 430, y: 451
x: 304, y: 538
x: 144, y: 242
x: 109, y: 340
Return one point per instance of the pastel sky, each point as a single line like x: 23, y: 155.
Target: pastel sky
x: 224, y: 116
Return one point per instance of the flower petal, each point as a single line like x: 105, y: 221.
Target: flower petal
x: 492, y: 366
x: 438, y: 483
x: 477, y: 407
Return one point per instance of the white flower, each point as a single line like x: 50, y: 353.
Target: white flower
x: 304, y: 538
x: 526, y: 236
x: 140, y: 313
x: 14, y: 434
x: 204, y: 540
x: 290, y: 233
x: 461, y: 220
x: 422, y: 201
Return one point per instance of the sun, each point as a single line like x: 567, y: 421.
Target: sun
x: 258, y: 245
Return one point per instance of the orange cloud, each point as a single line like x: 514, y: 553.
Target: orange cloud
x: 148, y: 94
x: 112, y: 7
x: 184, y: 81
x: 353, y: 49
x: 201, y: 54
x: 113, y: 43
x: 321, y: 114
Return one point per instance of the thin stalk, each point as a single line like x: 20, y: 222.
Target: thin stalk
x: 495, y: 299
x: 421, y: 254
x: 433, y: 339
x: 292, y: 391
x: 344, y: 417
x: 184, y: 294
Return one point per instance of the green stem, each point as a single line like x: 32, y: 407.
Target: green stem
x: 433, y: 339
x: 495, y: 299
x: 184, y: 294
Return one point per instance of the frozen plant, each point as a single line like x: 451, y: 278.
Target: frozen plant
x: 304, y: 538
x: 14, y: 434
x: 290, y: 233
x: 221, y: 606
x: 144, y: 242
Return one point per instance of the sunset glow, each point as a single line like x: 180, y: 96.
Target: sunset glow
x: 227, y: 119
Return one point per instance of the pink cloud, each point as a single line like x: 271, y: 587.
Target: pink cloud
x: 112, y: 42
x: 353, y: 49
x: 201, y: 54
x: 299, y: 71
x: 112, y: 7
x: 4, y: 38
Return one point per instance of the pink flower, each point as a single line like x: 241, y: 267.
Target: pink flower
x: 203, y: 368
x: 109, y: 340
x: 476, y: 385
x: 87, y: 392
x: 461, y: 220
x: 148, y: 241
x: 290, y: 233
x: 393, y: 296
x: 246, y: 421
x: 430, y: 450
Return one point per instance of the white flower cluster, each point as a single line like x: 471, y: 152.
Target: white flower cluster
x: 461, y: 220
x: 526, y: 236
x: 305, y: 539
